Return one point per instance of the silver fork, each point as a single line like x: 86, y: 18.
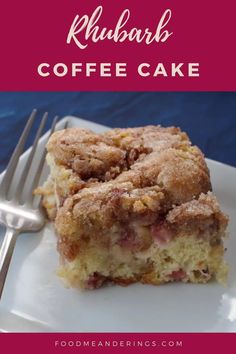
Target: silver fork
x: 21, y: 212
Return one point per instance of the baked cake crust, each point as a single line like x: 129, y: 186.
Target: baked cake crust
x: 133, y: 205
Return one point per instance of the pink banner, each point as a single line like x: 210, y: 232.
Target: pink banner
x: 106, y: 45
x: 179, y: 343
x: 122, y: 45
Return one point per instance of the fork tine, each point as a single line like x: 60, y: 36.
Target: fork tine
x: 24, y: 174
x: 38, y: 172
x: 7, y: 179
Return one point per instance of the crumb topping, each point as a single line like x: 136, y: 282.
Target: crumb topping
x: 145, y: 157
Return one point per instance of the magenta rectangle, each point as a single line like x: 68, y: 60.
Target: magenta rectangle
x: 181, y: 343
x: 162, y: 45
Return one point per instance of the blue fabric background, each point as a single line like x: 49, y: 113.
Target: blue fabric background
x: 208, y: 118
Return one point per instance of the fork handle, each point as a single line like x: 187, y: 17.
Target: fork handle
x: 6, y: 251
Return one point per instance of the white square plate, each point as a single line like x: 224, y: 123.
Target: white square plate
x: 35, y: 299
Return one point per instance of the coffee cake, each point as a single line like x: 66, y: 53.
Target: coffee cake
x: 133, y: 205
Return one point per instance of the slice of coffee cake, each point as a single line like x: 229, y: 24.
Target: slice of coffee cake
x: 133, y: 205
